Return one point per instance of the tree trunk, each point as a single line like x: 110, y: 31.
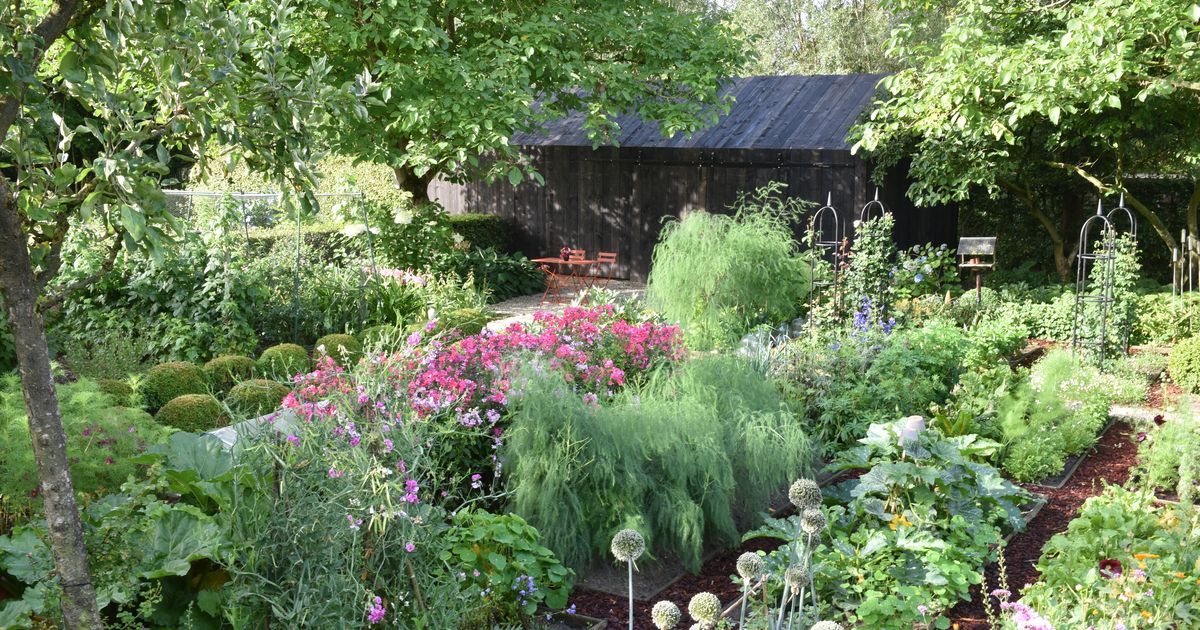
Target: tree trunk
x: 417, y: 185
x: 18, y: 286
x: 1062, y: 262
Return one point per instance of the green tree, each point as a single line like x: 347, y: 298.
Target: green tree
x: 96, y: 100
x: 461, y: 77
x: 817, y: 36
x: 1018, y: 93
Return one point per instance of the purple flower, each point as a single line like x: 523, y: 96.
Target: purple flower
x: 335, y: 473
x: 133, y: 429
x: 475, y: 483
x: 377, y: 611
x: 388, y: 446
x: 923, y: 610
x: 1001, y: 593
x: 1141, y: 436
x: 295, y: 441
x: 919, y: 277
x: 410, y: 547
x: 355, y: 523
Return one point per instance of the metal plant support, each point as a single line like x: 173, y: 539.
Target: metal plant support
x: 871, y: 208
x: 1121, y: 215
x: 827, y: 233
x: 184, y: 202
x: 1095, y: 272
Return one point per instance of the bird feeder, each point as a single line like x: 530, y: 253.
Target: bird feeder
x: 977, y: 255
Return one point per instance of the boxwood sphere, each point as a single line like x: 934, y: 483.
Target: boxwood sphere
x: 256, y: 397
x: 195, y: 413
x: 226, y: 371
x: 344, y: 349
x: 120, y: 391
x: 285, y: 359
x: 167, y: 381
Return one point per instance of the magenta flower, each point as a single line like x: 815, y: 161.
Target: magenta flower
x: 410, y: 547
x: 376, y: 612
x: 293, y: 440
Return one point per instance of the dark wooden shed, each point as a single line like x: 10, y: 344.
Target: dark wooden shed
x: 614, y: 198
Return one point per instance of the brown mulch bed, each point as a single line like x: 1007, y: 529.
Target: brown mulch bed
x: 1114, y: 456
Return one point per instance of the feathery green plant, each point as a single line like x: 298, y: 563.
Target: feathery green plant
x: 678, y: 458
x: 719, y: 275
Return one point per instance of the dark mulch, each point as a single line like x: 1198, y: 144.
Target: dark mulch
x: 1164, y: 395
x: 1114, y: 455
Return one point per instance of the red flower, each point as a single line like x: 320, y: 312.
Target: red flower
x: 1141, y: 436
x: 1110, y: 567
x: 1159, y: 420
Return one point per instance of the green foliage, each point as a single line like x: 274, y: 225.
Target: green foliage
x: 255, y: 397
x: 284, y: 360
x: 1169, y: 456
x: 504, y: 555
x: 413, y: 238
x: 113, y: 356
x: 468, y: 321
x: 195, y: 413
x: 121, y: 392
x: 1155, y: 546
x: 915, y: 526
x: 1184, y: 364
x: 103, y: 436
x: 501, y: 276
x: 344, y: 349
x: 1164, y: 318
x: 462, y: 80
x: 720, y: 275
x: 992, y: 340
x: 845, y: 383
x: 8, y: 346
x: 683, y: 458
x: 830, y: 38
x: 166, y: 381
x: 383, y: 337
x: 483, y: 231
x: 225, y: 371
x: 872, y: 255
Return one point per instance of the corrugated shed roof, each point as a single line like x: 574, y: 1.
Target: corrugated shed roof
x: 790, y: 112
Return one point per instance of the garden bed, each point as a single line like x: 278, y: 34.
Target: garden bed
x: 1110, y: 462
x: 1072, y: 464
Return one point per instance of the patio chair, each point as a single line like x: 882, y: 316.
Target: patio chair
x: 607, y: 261
x: 555, y: 283
x: 578, y: 254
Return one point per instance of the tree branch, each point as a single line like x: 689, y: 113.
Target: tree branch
x: 52, y: 27
x: 52, y: 301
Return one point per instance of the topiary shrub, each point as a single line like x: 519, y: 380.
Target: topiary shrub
x: 120, y: 391
x: 226, y: 371
x: 1184, y: 364
x: 195, y: 413
x: 285, y: 359
x: 256, y: 397
x: 483, y: 231
x: 344, y: 349
x: 167, y: 381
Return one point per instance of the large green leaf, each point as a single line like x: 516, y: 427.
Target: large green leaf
x: 179, y: 536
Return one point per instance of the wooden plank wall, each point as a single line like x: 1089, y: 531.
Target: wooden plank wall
x: 611, y: 199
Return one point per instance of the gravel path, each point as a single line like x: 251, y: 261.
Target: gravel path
x: 521, y: 309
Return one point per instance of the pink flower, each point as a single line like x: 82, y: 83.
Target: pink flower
x: 376, y: 612
x: 293, y: 440
x: 409, y: 547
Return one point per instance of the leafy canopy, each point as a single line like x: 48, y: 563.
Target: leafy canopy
x: 1100, y: 89
x: 461, y: 77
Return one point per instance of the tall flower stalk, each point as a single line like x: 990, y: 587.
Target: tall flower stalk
x: 627, y: 547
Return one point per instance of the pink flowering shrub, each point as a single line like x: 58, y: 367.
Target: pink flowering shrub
x: 464, y: 384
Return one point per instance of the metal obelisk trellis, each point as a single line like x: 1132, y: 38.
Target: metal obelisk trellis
x: 827, y: 233
x: 1095, y: 271
x: 871, y: 207
x: 1114, y: 218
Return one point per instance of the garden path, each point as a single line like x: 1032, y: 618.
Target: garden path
x: 521, y: 309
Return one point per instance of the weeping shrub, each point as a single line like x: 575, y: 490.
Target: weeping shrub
x: 720, y: 275
x: 682, y: 459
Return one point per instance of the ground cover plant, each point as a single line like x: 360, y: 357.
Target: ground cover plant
x: 103, y: 439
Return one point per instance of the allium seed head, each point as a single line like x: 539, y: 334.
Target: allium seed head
x: 805, y: 494
x: 812, y: 521
x: 796, y: 577
x: 827, y: 625
x: 628, y: 545
x: 749, y: 565
x: 704, y: 607
x: 665, y: 615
